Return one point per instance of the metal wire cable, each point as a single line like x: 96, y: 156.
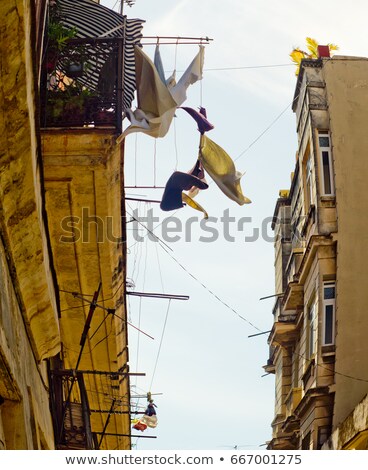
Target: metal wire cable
x: 161, y: 340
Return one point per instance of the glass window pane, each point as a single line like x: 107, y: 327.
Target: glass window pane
x: 326, y: 172
x: 324, y: 141
x: 328, y: 324
x: 329, y: 292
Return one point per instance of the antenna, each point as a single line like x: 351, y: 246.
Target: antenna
x: 130, y: 3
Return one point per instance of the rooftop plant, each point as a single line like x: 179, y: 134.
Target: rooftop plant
x: 312, y: 45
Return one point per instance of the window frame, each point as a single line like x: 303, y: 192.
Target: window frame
x: 309, y: 181
x: 326, y: 303
x: 323, y: 149
x: 311, y: 327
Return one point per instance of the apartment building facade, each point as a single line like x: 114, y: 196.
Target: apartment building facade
x: 318, y: 344
x: 64, y: 363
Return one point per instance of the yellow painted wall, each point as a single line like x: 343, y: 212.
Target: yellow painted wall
x: 29, y: 327
x: 83, y: 179
x: 347, y: 94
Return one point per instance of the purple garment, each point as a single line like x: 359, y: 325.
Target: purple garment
x: 200, y: 117
x: 150, y: 410
x: 179, y: 182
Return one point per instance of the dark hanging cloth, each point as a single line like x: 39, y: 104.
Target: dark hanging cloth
x: 150, y: 410
x: 179, y: 182
x: 200, y: 117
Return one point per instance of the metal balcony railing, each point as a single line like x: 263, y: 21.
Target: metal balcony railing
x: 77, y: 396
x: 82, y: 84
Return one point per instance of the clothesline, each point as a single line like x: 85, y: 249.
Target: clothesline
x: 194, y: 42
x: 178, y: 38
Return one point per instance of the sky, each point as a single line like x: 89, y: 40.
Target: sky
x: 203, y: 368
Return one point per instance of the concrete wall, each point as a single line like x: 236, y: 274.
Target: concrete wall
x: 347, y: 94
x: 25, y: 421
x: 83, y: 171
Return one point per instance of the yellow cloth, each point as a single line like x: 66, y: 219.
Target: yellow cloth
x: 188, y: 200
x: 221, y: 168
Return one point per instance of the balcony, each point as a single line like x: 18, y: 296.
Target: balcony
x: 284, y: 331
x: 294, y: 296
x: 81, y: 84
x: 83, y: 403
x: 292, y: 400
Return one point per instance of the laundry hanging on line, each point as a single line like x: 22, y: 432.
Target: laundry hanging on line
x: 149, y: 419
x: 194, y: 204
x: 171, y: 197
x: 200, y: 117
x: 158, y: 98
x: 177, y: 183
x: 219, y: 165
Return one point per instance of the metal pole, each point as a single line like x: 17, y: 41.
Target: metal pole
x: 159, y: 296
x: 107, y: 421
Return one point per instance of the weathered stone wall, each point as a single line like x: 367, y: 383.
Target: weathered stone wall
x: 21, y: 205
x: 29, y: 327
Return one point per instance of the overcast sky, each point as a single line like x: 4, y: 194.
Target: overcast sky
x: 207, y: 371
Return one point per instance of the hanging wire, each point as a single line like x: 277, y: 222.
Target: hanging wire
x: 159, y: 349
x: 176, y: 146
x: 150, y: 232
x: 263, y: 133
x: 159, y: 269
x: 210, y: 291
x: 135, y: 158
x: 107, y: 335
x: 201, y: 93
x: 176, y: 54
x: 163, y: 246
x: 154, y: 162
x: 140, y: 307
x: 99, y: 326
x: 302, y: 356
x: 248, y: 67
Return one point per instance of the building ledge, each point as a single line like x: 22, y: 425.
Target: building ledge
x: 283, y: 443
x: 294, y: 296
x: 293, y: 399
x: 291, y: 424
x: 269, y: 367
x: 315, y: 242
x: 352, y: 433
x: 309, y: 398
x: 283, y: 332
x: 359, y: 442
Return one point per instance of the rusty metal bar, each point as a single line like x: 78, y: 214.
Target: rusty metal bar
x: 127, y: 435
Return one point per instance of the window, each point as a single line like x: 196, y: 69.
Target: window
x: 278, y: 387
x: 324, y: 432
x: 328, y: 313
x: 312, y: 330
x: 309, y: 199
x: 306, y: 442
x: 295, y: 368
x: 326, y: 164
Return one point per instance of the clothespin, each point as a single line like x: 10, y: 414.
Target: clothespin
x: 149, y: 399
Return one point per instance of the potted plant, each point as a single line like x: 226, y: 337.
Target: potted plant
x: 58, y: 36
x: 103, y: 116
x: 71, y: 106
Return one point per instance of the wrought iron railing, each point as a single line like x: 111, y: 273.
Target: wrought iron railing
x: 76, y: 396
x: 82, y: 84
